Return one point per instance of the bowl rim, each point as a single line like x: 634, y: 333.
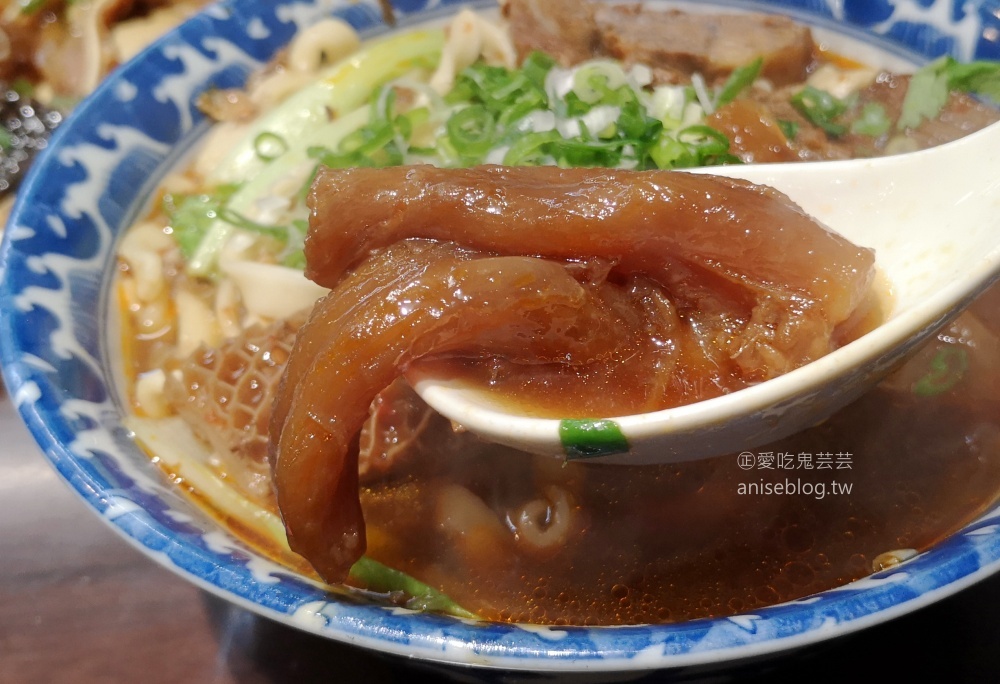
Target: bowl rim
x: 86, y: 443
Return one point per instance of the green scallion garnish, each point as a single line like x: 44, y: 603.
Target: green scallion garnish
x: 269, y: 146
x: 946, y: 370
x: 873, y: 120
x: 738, y: 81
x: 821, y: 108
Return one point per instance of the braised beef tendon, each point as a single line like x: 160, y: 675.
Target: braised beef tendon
x: 744, y: 265
x: 719, y: 282
x: 409, y: 301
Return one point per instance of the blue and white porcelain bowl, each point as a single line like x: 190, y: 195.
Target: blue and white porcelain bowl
x: 56, y: 262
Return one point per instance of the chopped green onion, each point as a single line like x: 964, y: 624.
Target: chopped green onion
x: 367, y: 141
x: 531, y: 149
x: 705, y: 139
x: 383, y: 141
x: 536, y: 68
x: 693, y: 146
x: 471, y: 131
x: 269, y: 146
x: 6, y: 140
x: 947, y: 368
x: 873, y: 121
x: 603, y: 122
x: 184, y: 455
x: 670, y: 153
x: 191, y: 216
x: 240, y: 221
x: 738, y: 81
x: 789, y: 128
x: 583, y: 438
x: 594, y: 81
x: 821, y: 108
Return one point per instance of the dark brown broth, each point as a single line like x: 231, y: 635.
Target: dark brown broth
x: 669, y: 543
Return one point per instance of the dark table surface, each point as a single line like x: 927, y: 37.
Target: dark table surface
x: 79, y: 604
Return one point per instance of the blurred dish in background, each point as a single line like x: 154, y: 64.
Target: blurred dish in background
x: 52, y: 54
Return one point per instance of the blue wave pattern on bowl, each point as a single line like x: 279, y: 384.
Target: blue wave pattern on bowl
x: 55, y: 294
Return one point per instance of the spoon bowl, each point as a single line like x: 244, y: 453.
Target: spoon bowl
x: 933, y: 219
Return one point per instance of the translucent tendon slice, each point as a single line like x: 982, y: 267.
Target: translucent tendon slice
x: 746, y: 267
x: 415, y: 299
x: 749, y: 234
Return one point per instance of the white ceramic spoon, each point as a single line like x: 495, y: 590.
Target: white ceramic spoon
x: 933, y: 219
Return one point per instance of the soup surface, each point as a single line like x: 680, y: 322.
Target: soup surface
x: 214, y: 301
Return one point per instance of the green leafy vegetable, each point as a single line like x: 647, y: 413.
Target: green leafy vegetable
x: 738, y: 81
x: 925, y: 98
x: 6, y: 140
x: 946, y: 370
x: 821, y: 108
x: 381, y: 578
x: 931, y: 84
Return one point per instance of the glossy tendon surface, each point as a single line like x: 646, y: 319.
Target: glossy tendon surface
x: 737, y: 284
x: 415, y: 299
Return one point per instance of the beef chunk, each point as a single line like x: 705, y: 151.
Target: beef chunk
x: 710, y: 44
x: 564, y: 29
x: 675, y: 44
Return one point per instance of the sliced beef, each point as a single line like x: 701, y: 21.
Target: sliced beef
x: 565, y: 29
x: 710, y: 44
x: 674, y: 44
